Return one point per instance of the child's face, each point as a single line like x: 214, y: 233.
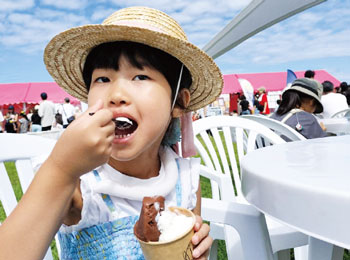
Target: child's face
x: 141, y: 95
x: 309, y: 105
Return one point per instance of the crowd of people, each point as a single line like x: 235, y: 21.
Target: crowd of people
x: 300, y: 103
x: 42, y: 117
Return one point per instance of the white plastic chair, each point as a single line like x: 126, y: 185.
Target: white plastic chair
x: 279, y: 128
x: 21, y: 149
x: 249, y: 223
x: 246, y: 133
x: 341, y: 114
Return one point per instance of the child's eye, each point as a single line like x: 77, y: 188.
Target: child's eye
x: 141, y: 77
x: 102, y: 79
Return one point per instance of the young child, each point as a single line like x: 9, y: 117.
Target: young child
x: 23, y: 122
x: 298, y: 104
x: 139, y: 75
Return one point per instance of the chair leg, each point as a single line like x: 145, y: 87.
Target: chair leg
x: 213, y: 255
x: 319, y: 250
x: 338, y: 253
x: 301, y: 252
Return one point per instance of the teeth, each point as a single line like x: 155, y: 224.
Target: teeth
x: 124, y: 119
x: 122, y: 136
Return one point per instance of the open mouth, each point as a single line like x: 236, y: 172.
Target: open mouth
x: 124, y: 126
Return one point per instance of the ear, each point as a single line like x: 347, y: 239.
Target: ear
x: 184, y: 98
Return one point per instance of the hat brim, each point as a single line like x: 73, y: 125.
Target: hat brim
x: 66, y: 53
x: 319, y: 106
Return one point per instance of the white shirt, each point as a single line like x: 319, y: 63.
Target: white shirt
x: 127, y: 192
x: 333, y: 103
x: 66, y: 110
x: 47, y: 113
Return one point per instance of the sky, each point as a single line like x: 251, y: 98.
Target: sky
x: 317, y: 38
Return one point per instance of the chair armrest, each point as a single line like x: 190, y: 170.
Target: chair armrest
x: 248, y: 221
x: 223, y: 180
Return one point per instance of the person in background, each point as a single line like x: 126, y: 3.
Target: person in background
x: 263, y: 101
x: 256, y: 105
x: 309, y: 74
x: 11, y: 120
x: 29, y: 115
x: 244, y: 105
x: 345, y: 90
x: 58, y: 123
x: 332, y: 102
x: 67, y: 111
x: 23, y: 123
x: 1, y: 120
x: 298, y: 104
x: 35, y: 119
x: 46, y: 112
x: 196, y: 116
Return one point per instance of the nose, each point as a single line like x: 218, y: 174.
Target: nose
x: 118, y: 94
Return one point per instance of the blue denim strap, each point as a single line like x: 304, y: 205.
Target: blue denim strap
x: 178, y: 186
x: 106, y: 198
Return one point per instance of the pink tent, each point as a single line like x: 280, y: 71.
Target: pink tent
x: 16, y: 93
x: 272, y: 81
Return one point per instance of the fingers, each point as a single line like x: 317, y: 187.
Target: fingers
x: 201, y: 239
x: 200, y: 234
x: 94, y: 108
x: 202, y: 250
x: 96, y: 111
x: 198, y: 224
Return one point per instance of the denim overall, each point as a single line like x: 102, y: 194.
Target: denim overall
x: 111, y: 240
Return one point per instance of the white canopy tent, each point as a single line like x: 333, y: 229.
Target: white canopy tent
x: 257, y: 16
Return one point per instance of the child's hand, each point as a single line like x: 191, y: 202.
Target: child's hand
x: 323, y: 126
x: 201, y: 240
x: 86, y: 143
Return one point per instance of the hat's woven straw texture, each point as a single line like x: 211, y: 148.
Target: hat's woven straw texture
x: 66, y: 53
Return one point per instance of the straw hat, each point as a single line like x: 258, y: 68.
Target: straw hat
x: 66, y: 53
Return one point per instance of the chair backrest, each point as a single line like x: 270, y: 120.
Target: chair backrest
x: 343, y: 113
x: 222, y: 141
x: 280, y: 128
x: 20, y: 149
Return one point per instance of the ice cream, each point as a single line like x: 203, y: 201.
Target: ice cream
x: 172, y: 224
x: 164, y: 234
x: 146, y: 227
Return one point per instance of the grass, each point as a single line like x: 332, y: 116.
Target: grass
x: 206, y: 192
x: 12, y: 173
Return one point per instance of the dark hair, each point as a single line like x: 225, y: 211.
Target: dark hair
x: 327, y: 86
x: 291, y: 99
x: 344, y: 86
x: 67, y: 100
x: 309, y: 74
x: 24, y: 115
x: 242, y: 97
x: 43, y: 96
x: 107, y: 55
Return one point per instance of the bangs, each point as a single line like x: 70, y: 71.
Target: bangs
x: 107, y: 56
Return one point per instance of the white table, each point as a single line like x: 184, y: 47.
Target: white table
x: 304, y: 184
x: 338, y: 126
